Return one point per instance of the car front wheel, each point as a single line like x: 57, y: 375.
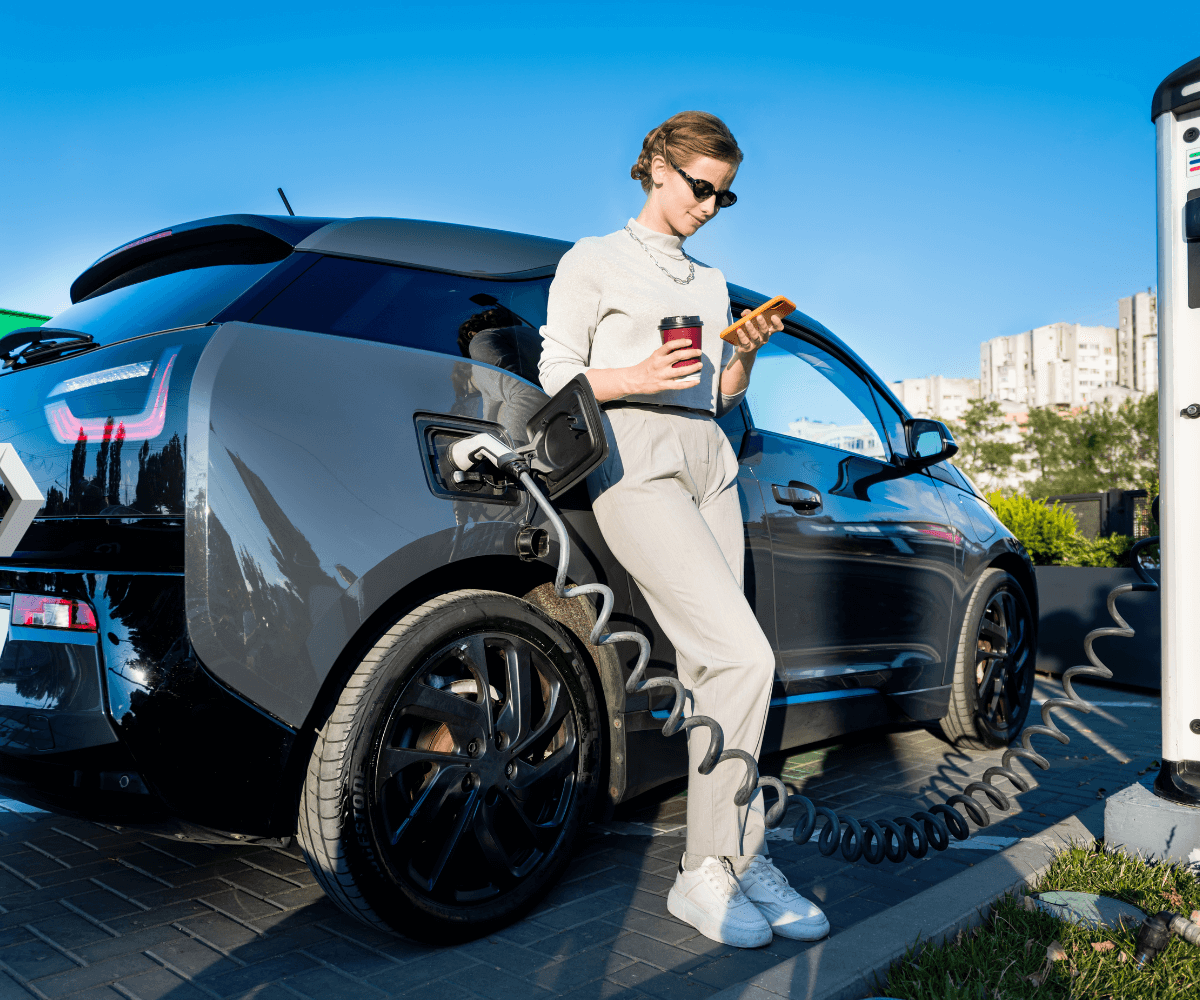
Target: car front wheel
x: 452, y: 777
x: 994, y: 672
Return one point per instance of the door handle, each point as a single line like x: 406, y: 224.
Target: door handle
x: 798, y: 496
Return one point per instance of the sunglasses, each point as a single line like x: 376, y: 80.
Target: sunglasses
x: 702, y: 191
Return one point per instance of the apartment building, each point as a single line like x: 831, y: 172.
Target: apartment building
x: 1062, y: 364
x: 1137, y: 342
x: 936, y: 396
x: 1070, y: 365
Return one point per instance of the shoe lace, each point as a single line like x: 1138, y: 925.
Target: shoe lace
x: 765, y: 871
x: 723, y: 879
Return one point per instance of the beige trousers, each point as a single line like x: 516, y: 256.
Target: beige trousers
x: 666, y: 502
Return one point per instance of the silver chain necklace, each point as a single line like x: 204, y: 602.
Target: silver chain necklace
x: 650, y: 254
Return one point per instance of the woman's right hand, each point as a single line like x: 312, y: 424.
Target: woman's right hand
x: 655, y: 374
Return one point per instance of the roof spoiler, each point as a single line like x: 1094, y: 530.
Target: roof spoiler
x: 287, y: 230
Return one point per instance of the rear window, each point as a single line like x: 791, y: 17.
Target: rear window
x: 495, y: 322
x: 186, y: 288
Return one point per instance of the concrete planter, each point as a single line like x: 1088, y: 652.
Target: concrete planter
x: 1072, y: 602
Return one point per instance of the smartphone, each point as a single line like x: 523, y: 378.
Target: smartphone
x: 779, y: 306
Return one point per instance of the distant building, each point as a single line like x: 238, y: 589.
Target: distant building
x: 1063, y: 364
x: 1137, y: 342
x: 14, y: 319
x: 937, y: 396
x: 861, y: 438
x: 1069, y: 365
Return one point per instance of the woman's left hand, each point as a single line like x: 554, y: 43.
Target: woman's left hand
x: 751, y: 336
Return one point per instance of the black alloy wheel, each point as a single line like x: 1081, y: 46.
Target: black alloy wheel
x: 465, y: 769
x: 994, y: 674
x: 485, y: 780
x: 1003, y: 677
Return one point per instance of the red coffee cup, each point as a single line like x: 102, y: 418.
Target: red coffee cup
x: 682, y: 328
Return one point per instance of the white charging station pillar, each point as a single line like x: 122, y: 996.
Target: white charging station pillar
x: 1175, y: 111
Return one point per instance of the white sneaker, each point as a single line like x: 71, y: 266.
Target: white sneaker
x: 789, y: 914
x: 709, y: 899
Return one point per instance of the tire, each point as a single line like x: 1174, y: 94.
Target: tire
x: 998, y: 635
x: 436, y: 813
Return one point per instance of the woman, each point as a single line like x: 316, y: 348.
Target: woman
x: 666, y: 499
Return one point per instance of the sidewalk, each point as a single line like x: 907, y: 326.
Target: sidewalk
x: 97, y: 914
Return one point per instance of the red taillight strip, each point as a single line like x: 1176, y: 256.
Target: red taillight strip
x: 67, y: 428
x: 135, y: 243
x: 79, y: 615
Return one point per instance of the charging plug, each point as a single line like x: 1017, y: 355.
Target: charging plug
x: 489, y: 448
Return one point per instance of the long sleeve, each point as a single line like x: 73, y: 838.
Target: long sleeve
x: 608, y: 299
x: 572, y: 313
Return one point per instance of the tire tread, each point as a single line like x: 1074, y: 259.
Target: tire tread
x: 319, y: 820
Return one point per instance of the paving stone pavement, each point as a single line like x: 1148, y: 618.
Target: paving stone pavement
x: 95, y: 913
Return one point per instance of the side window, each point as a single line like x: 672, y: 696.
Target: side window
x: 802, y: 390
x: 495, y: 322
x: 893, y: 423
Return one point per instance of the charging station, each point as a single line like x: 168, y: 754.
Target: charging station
x: 1165, y: 822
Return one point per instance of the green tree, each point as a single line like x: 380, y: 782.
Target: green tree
x: 1102, y: 447
x: 982, y: 451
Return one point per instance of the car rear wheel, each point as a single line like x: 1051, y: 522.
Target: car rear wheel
x: 451, y: 779
x: 993, y: 676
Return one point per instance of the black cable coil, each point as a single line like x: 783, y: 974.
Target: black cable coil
x: 877, y: 839
x: 872, y: 839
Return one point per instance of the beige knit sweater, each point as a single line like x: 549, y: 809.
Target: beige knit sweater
x: 605, y: 304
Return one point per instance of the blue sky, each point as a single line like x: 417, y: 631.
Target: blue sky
x: 917, y: 179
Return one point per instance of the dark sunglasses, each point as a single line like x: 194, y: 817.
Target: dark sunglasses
x: 702, y: 191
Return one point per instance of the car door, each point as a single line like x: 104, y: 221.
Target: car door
x: 864, y: 555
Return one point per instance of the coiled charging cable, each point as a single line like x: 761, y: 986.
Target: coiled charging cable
x: 466, y: 453
x: 870, y: 839
x: 877, y: 839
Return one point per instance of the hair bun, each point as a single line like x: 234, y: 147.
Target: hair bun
x: 687, y: 135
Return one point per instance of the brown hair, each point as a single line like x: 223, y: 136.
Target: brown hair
x: 682, y: 138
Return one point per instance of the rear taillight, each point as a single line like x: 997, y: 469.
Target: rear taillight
x: 70, y: 429
x: 34, y: 611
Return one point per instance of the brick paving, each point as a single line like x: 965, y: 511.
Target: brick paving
x: 94, y: 913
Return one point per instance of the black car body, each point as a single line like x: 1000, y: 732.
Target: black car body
x: 245, y: 482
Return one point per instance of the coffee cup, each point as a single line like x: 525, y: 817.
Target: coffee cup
x: 682, y: 328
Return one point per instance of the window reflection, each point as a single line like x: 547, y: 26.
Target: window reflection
x: 803, y: 391
x: 495, y: 322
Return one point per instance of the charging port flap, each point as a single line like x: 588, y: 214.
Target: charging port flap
x: 566, y: 437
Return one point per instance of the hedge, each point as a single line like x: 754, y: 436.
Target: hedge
x: 1051, y: 535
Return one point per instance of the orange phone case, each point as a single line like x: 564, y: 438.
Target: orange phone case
x: 779, y: 306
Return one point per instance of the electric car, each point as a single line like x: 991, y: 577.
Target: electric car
x: 246, y: 596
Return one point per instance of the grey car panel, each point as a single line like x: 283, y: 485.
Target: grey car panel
x: 308, y: 506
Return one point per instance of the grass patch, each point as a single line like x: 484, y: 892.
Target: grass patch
x: 1006, y: 958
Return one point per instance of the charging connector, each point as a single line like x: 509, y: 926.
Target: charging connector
x: 469, y: 451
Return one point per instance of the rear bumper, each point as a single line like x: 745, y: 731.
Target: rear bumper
x: 99, y: 783
x: 126, y: 726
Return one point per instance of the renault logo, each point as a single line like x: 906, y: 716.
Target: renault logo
x: 26, y: 500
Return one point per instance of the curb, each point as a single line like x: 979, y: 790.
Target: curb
x: 844, y: 967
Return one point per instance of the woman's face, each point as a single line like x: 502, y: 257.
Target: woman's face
x: 671, y: 197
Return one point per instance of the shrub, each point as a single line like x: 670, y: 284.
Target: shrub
x: 1111, y: 551
x: 1051, y: 535
x: 1048, y: 531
